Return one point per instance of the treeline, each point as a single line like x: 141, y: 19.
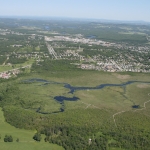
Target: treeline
x: 54, y: 65
x: 2, y: 59
x: 104, y: 53
x: 15, y: 60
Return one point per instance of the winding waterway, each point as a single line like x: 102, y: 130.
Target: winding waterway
x: 79, y: 88
x: 72, y: 89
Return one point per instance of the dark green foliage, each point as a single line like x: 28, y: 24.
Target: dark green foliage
x: 17, y: 140
x: 2, y: 59
x: 15, y: 60
x: 54, y: 65
x: 37, y: 137
x: 27, y: 119
x: 8, y: 138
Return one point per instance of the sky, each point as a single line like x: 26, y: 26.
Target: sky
x: 127, y: 10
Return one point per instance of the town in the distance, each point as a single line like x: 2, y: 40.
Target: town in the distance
x: 91, y: 45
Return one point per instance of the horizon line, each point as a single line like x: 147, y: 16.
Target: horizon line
x: 72, y: 18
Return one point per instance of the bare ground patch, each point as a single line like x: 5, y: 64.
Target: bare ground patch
x: 123, y: 77
x: 143, y: 86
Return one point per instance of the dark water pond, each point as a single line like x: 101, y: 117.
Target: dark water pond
x: 63, y: 98
x: 135, y: 106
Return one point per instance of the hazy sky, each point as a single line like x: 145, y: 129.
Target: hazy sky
x: 97, y: 9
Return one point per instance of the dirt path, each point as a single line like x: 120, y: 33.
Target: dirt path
x: 129, y: 110
x: 144, y: 104
x: 117, y: 114
x: 86, y: 104
x: 5, y: 61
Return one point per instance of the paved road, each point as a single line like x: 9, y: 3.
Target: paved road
x: 51, y: 51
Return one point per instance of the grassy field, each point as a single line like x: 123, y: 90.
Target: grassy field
x: 29, y: 146
x: 37, y: 48
x: 37, y: 95
x: 25, y: 49
x: 7, y: 68
x: 25, y: 138
x: 138, y: 93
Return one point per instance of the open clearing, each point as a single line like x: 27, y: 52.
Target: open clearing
x: 116, y: 98
x: 25, y: 138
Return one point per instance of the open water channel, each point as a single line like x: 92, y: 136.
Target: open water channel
x: 72, y: 89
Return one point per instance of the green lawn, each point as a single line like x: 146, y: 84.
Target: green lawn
x: 28, y: 146
x: 37, y: 48
x: 25, y: 138
x: 36, y: 96
x: 109, y: 97
x: 7, y: 68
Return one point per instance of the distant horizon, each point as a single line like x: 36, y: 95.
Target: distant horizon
x: 71, y: 18
x: 122, y: 10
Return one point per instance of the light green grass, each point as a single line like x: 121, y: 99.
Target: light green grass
x: 29, y: 62
x: 81, y: 78
x: 28, y: 146
x: 138, y: 93
x: 7, y: 68
x: 108, y: 98
x: 139, y: 33
x: 25, y: 49
x: 37, y: 48
x: 25, y: 138
x: 36, y: 96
